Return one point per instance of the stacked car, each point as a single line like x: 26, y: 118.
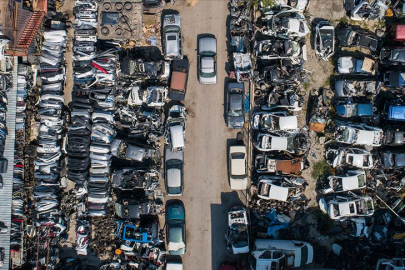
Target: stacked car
x: 51, y: 127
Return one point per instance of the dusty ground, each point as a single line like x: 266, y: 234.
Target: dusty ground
x: 207, y: 195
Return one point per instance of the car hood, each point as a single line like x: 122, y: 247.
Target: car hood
x: 236, y: 121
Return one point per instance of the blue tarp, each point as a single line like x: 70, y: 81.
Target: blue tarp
x: 274, y: 224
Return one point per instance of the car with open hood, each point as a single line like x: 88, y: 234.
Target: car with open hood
x: 356, y: 88
x: 207, y: 60
x: 296, y: 143
x: 394, y: 78
x: 237, y: 236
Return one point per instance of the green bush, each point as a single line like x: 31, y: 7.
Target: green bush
x: 320, y: 169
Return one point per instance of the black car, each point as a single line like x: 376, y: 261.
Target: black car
x: 392, y: 56
x: 350, y: 36
x: 235, y: 114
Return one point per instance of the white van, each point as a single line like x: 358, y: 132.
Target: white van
x: 280, y: 254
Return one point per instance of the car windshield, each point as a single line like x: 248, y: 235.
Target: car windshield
x: 304, y: 255
x: 174, y: 190
x: 174, y: 164
x: 237, y: 155
x: 171, y: 37
x: 290, y: 144
x: 362, y: 180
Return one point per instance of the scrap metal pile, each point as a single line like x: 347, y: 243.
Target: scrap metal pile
x: 361, y: 190
x: 280, y: 144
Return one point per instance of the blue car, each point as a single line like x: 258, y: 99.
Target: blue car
x: 176, y: 228
x: 354, y: 109
x: 396, y: 112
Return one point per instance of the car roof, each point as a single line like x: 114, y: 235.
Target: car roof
x: 207, y: 44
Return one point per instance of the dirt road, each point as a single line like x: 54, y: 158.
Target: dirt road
x: 207, y: 195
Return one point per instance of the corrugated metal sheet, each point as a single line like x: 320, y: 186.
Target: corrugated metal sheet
x: 7, y: 190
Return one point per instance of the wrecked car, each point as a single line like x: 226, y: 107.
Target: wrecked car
x: 280, y: 254
x: 153, y: 96
x: 285, y: 99
x: 354, y: 157
x: 288, y: 23
x: 279, y: 188
x: 324, y: 41
x: 237, y: 167
x: 367, y: 10
x: 359, y: 227
x: 178, y: 79
x: 131, y: 178
x: 297, y: 143
x: 207, y: 60
x: 123, y: 150
x: 393, y: 137
x: 273, y: 121
x: 350, y: 36
x: 349, y: 109
x: 273, y: 49
x: 243, y: 66
x: 394, y: 112
x: 138, y: 68
x: 394, y: 78
x: 352, y: 180
x: 341, y: 207
x: 235, y: 111
x: 358, y: 134
x: 267, y: 164
x: 176, y: 127
x: 237, y: 236
x: 393, y: 159
x: 172, y: 38
x: 392, y: 56
x: 356, y: 66
x: 395, y: 263
x: 354, y: 88
x: 282, y: 73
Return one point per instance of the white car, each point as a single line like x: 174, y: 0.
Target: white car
x: 341, y: 207
x: 359, y: 134
x: 273, y: 121
x: 237, y: 167
x: 267, y: 142
x: 278, y: 188
x: 355, y: 157
x: 359, y: 227
x: 238, y: 233
x: 352, y: 180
